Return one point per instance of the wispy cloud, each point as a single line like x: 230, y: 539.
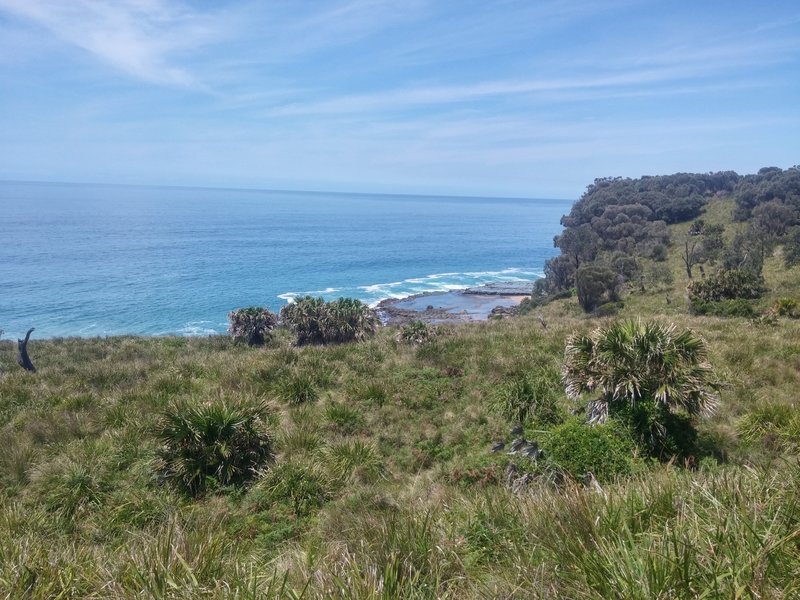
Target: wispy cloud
x: 139, y: 37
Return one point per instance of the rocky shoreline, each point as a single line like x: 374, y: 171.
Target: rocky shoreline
x: 457, y: 306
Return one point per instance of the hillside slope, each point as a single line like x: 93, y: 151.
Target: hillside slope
x: 384, y: 482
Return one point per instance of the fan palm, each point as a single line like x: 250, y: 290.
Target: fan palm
x: 630, y: 362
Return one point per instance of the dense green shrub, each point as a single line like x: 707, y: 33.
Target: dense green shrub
x: 727, y: 285
x: 211, y: 444
x: 578, y: 448
x: 725, y: 308
x: 300, y: 488
x: 315, y: 321
x: 657, y: 431
x: 644, y: 373
x: 252, y: 325
x: 608, y: 309
x: 787, y: 307
x: 595, y: 284
x: 791, y: 247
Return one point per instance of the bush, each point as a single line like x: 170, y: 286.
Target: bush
x: 608, y: 309
x: 727, y: 285
x: 787, y: 307
x: 530, y: 397
x: 657, y: 431
x: 212, y: 444
x: 417, y: 332
x: 594, y: 284
x: 647, y: 375
x: 301, y: 488
x: 252, y: 325
x: 578, y: 448
x: 725, y: 308
x: 315, y: 321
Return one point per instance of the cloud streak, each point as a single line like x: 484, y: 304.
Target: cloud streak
x: 138, y: 37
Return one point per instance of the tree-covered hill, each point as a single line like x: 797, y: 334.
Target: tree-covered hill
x: 618, y: 234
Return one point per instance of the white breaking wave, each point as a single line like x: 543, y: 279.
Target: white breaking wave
x: 437, y: 282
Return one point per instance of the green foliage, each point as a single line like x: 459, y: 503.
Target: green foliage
x: 343, y: 418
x: 301, y: 488
x: 725, y: 308
x: 534, y: 396
x: 252, y: 325
x: 787, y: 307
x: 298, y: 388
x: 594, y: 284
x: 791, y: 247
x: 769, y: 185
x: 630, y: 363
x: 776, y: 425
x: 212, y: 444
x: 354, y: 461
x: 727, y: 285
x: 578, y: 448
x: 315, y: 321
x: 417, y: 332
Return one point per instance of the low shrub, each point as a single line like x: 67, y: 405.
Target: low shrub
x: 299, y: 487
x: 213, y: 444
x: 657, y: 431
x: 578, y: 448
x: 776, y: 424
x: 315, y: 321
x: 725, y: 308
x: 608, y: 309
x: 728, y: 284
x: 533, y: 396
x: 787, y: 307
x: 252, y: 325
x: 416, y: 332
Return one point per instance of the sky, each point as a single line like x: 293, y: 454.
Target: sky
x: 532, y: 98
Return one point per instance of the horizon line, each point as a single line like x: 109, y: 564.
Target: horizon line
x: 281, y: 190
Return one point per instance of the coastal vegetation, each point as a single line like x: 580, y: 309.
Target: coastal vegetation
x: 343, y: 460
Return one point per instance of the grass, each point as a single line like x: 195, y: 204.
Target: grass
x: 384, y: 484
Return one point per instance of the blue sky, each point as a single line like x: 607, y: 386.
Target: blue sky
x: 521, y: 98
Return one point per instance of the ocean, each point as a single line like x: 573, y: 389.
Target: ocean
x: 97, y: 260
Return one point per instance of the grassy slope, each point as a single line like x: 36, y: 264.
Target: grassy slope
x: 381, y: 463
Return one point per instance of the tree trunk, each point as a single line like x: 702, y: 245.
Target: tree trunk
x: 22, y: 353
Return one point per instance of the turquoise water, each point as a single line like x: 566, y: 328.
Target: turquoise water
x: 88, y: 260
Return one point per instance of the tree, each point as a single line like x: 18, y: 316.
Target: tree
x: 643, y: 373
x: 559, y: 273
x: 581, y: 244
x: 595, y: 284
x: 791, y: 248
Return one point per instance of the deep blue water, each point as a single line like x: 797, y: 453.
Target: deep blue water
x: 87, y: 260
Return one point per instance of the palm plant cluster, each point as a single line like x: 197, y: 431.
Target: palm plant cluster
x: 211, y: 444
x: 641, y: 372
x: 315, y: 321
x: 252, y: 325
